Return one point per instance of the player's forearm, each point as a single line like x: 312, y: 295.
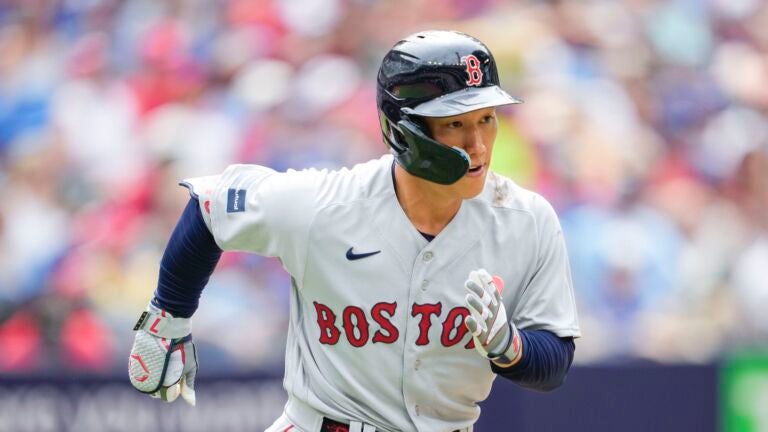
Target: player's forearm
x: 187, y: 264
x: 545, y: 362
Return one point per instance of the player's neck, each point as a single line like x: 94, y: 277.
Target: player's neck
x: 429, y: 206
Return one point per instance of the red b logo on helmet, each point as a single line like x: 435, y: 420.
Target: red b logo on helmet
x: 473, y: 70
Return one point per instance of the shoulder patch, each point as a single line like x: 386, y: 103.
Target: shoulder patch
x: 235, y: 200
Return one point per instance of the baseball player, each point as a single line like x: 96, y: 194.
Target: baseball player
x: 417, y: 278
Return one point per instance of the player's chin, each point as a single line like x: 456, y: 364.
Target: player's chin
x: 471, y: 187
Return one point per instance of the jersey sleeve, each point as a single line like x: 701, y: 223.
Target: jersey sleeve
x: 255, y: 209
x: 547, y: 301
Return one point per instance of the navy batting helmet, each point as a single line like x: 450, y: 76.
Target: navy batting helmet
x: 434, y: 74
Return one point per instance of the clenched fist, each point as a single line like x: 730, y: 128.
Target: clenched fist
x: 163, y: 360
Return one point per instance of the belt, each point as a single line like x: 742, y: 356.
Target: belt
x: 308, y: 419
x: 334, y: 426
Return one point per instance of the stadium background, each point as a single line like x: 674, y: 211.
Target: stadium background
x: 645, y: 123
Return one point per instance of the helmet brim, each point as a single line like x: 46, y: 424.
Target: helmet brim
x: 463, y: 101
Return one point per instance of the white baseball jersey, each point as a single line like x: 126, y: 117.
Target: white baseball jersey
x: 376, y: 329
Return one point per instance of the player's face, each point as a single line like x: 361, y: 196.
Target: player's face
x: 475, y: 133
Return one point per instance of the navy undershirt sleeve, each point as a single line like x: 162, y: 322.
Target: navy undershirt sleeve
x: 545, y: 363
x: 187, y: 264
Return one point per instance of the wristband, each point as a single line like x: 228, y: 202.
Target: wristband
x: 160, y: 323
x: 513, y: 350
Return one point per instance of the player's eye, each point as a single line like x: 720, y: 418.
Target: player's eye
x: 488, y: 119
x: 454, y: 124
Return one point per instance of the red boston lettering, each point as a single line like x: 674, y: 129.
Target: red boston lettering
x: 361, y: 324
x: 425, y: 310
x: 454, y: 324
x: 326, y: 319
x: 384, y: 322
x: 357, y: 327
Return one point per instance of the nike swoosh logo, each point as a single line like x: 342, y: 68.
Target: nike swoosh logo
x: 353, y: 256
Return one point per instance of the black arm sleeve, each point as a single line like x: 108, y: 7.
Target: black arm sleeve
x: 187, y: 264
x: 545, y: 363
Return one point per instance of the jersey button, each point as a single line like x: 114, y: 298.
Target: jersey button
x: 427, y: 256
x: 416, y: 364
x: 417, y: 410
x: 424, y: 284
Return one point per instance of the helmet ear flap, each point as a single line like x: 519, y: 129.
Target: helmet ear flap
x: 426, y: 158
x: 415, y: 120
x: 392, y: 135
x: 395, y: 136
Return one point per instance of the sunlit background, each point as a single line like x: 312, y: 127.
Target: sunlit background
x: 645, y: 123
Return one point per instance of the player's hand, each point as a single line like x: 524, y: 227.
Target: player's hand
x: 494, y: 336
x: 163, y: 360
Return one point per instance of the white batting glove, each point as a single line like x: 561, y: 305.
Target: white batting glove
x: 494, y: 336
x: 163, y: 360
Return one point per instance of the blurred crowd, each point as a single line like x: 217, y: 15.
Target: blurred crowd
x: 645, y: 123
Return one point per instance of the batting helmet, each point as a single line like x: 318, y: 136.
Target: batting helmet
x: 434, y: 74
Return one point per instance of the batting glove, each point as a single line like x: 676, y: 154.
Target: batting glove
x: 163, y: 361
x: 494, y: 336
